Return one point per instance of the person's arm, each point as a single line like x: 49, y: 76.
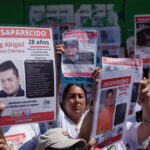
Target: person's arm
x: 86, y: 127
x: 96, y: 77
x: 59, y: 50
x: 143, y: 131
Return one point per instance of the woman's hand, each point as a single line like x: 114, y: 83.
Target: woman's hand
x: 59, y: 49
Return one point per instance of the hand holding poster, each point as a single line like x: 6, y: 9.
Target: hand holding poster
x: 79, y: 58
x: 27, y: 75
x: 111, y: 107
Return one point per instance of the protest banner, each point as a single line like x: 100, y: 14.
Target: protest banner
x: 142, y: 39
x: 108, y: 43
x: 79, y: 59
x: 111, y: 107
x: 27, y: 75
x: 122, y: 64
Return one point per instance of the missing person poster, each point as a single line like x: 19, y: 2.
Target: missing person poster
x: 80, y: 49
x: 108, y: 43
x: 27, y: 75
x: 111, y: 107
x: 136, y: 65
x: 142, y: 39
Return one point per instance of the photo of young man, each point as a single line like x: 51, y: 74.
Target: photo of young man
x: 10, y: 80
x: 71, y: 55
x: 105, y: 117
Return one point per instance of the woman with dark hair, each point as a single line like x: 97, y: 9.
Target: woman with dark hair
x: 73, y: 102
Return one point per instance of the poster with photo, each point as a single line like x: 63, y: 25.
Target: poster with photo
x: 111, y: 51
x: 66, y: 13
x: 58, y: 17
x: 142, y: 39
x: 98, y: 14
x: 80, y: 49
x: 27, y: 75
x: 108, y: 43
x: 64, y: 27
x: 83, y: 15
x: 66, y: 17
x: 51, y: 14
x: 109, y: 35
x: 111, y: 107
x: 36, y: 14
x: 112, y: 17
x: 136, y: 65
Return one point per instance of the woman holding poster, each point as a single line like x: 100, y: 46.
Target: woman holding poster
x: 73, y: 110
x: 140, y: 133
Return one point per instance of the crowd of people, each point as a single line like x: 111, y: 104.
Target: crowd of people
x: 74, y: 120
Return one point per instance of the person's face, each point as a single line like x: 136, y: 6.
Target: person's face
x: 74, y: 102
x: 71, y: 50
x: 109, y: 99
x: 9, y: 82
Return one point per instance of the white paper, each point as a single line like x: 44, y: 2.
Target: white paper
x: 79, y: 58
x: 111, y: 129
